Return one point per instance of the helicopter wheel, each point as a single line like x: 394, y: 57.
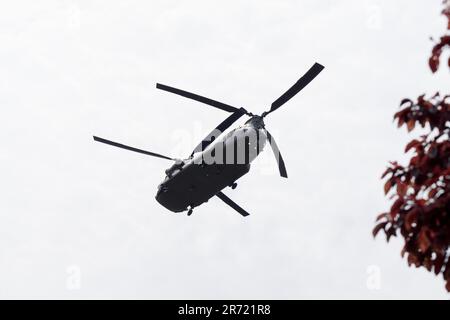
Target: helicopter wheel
x: 189, y: 212
x: 234, y: 185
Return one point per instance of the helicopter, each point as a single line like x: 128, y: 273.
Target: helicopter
x: 214, y: 163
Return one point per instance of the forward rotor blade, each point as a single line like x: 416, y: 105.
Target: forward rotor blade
x: 196, y: 97
x: 231, y: 203
x: 297, y: 87
x: 214, y: 134
x: 119, y: 145
x: 278, y: 157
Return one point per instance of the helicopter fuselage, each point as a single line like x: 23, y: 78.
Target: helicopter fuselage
x: 195, y: 180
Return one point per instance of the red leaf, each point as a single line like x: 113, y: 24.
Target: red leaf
x: 385, y: 173
x: 402, y: 253
x: 413, y: 259
x: 432, y: 193
x: 423, y: 241
x: 377, y: 228
x: 427, y: 263
x: 396, y: 207
x: 438, y: 263
x: 412, y: 144
x: 387, y: 186
x: 391, y: 232
x: 410, y: 219
x: 411, y: 124
x: 401, y: 188
x: 406, y: 101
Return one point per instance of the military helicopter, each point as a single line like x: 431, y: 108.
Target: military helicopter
x: 215, y: 164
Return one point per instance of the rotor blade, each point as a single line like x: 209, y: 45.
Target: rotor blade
x: 214, y: 134
x: 196, y: 97
x: 278, y: 157
x: 299, y: 85
x: 231, y: 203
x: 119, y: 145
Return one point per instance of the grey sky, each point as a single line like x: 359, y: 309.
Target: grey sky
x: 71, y: 207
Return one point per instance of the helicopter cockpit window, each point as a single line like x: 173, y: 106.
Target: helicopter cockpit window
x: 175, y: 168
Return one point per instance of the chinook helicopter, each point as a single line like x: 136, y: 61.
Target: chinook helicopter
x: 214, y: 163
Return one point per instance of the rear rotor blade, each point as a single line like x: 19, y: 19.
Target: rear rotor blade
x: 297, y: 87
x: 278, y: 157
x: 231, y: 203
x: 196, y: 97
x: 119, y: 145
x: 214, y: 134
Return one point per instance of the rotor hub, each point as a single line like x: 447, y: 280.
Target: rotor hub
x: 256, y: 122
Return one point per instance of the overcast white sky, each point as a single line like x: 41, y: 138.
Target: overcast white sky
x: 78, y: 219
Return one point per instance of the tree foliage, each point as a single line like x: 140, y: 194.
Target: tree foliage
x: 420, y: 190
x: 444, y: 42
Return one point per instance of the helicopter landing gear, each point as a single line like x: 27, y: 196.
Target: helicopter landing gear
x: 233, y: 185
x: 189, y: 211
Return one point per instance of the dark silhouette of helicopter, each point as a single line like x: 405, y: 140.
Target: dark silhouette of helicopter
x: 213, y: 166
